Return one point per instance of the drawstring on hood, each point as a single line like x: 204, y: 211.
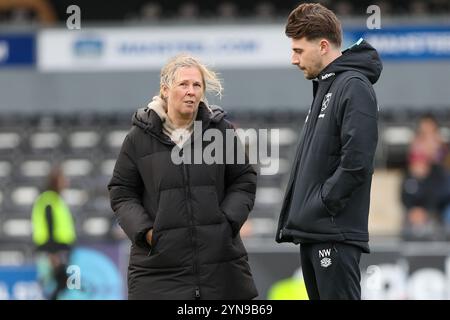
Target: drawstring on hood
x: 360, y: 57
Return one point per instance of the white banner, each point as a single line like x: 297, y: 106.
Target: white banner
x: 149, y: 48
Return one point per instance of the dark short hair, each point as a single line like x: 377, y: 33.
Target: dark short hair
x: 314, y: 21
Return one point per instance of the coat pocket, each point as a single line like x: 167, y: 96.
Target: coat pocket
x: 155, y: 240
x: 310, y: 214
x: 206, y: 206
x: 172, y: 210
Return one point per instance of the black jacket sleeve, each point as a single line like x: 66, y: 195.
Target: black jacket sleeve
x: 357, y: 114
x: 125, y: 190
x: 240, y: 188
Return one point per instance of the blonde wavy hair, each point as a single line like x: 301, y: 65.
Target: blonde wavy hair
x: 211, y: 82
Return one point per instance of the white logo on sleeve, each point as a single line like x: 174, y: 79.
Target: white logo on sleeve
x: 325, y: 262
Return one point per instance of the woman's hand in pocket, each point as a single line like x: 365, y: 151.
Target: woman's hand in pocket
x: 149, y: 236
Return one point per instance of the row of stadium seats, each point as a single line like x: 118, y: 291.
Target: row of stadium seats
x: 87, y: 145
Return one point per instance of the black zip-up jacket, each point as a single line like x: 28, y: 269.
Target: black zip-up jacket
x: 195, y: 210
x: 328, y: 194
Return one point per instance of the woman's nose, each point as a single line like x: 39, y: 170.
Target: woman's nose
x: 190, y: 91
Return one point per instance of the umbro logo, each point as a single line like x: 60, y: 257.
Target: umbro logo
x: 327, y: 75
x: 325, y: 262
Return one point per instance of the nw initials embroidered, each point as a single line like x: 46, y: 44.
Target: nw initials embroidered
x: 324, y: 253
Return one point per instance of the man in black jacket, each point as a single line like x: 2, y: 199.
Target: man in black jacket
x: 326, y: 204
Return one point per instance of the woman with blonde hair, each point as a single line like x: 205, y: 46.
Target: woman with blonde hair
x: 183, y: 219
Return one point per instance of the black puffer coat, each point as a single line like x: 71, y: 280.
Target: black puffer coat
x: 195, y: 210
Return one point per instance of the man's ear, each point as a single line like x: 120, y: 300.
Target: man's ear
x: 324, y: 46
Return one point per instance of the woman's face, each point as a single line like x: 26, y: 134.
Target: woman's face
x: 184, y: 96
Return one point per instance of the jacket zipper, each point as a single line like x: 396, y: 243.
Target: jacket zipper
x: 309, y: 129
x: 192, y: 228
x: 304, y: 137
x: 187, y: 195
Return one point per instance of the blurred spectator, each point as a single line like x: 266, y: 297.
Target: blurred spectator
x: 53, y: 234
x: 425, y: 188
x: 429, y: 140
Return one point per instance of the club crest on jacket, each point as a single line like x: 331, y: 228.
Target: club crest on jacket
x: 326, y: 101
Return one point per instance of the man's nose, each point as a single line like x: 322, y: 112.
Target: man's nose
x: 294, y: 59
